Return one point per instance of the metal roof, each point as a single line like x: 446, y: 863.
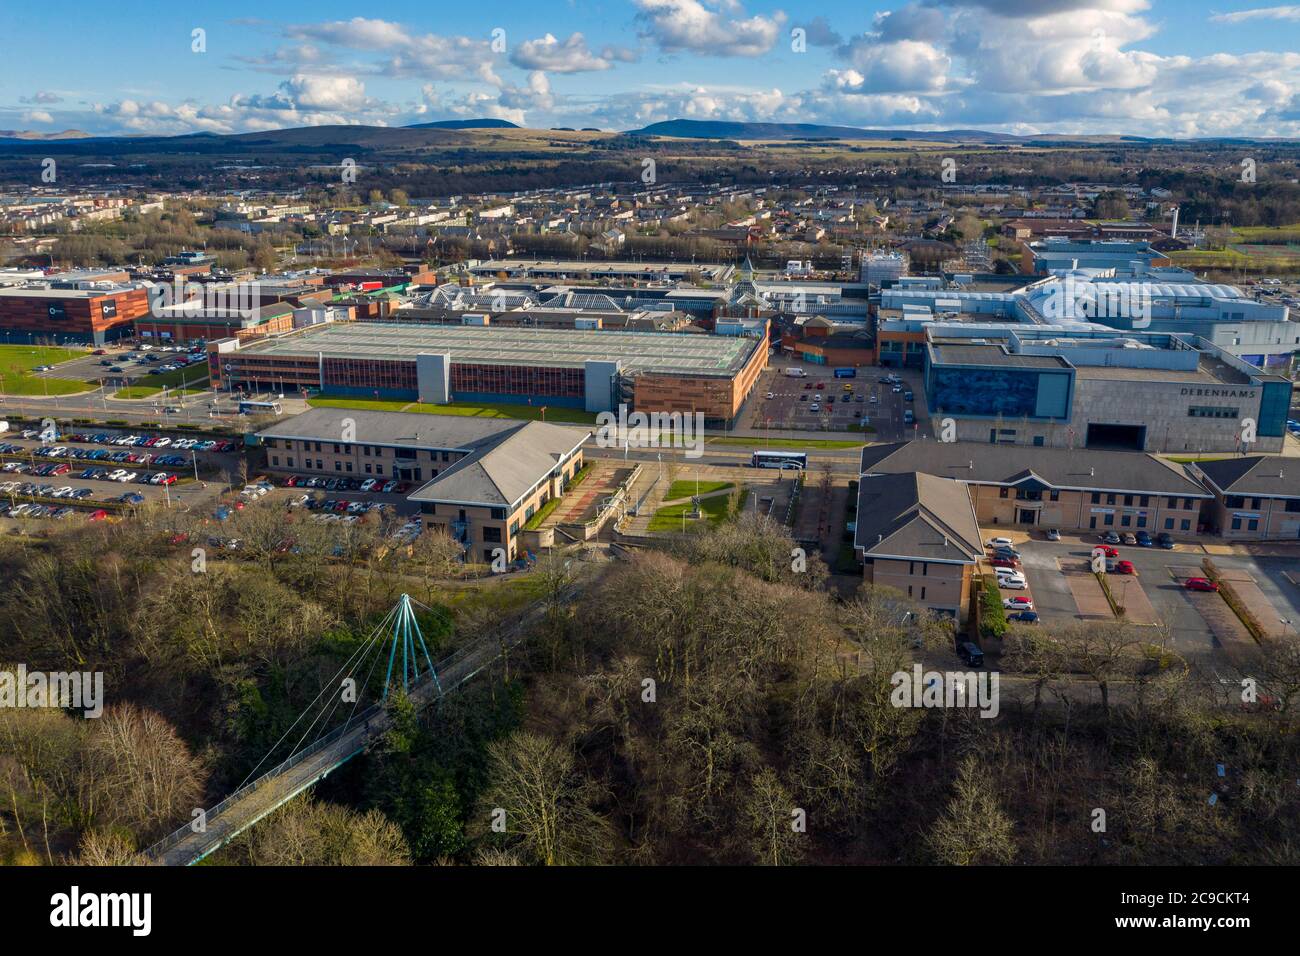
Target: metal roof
x: 500, y: 345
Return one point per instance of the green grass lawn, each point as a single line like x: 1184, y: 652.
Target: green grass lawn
x: 686, y: 487
x: 193, y: 378
x: 475, y: 410
x: 669, y: 518
x: 16, y: 362
x: 794, y: 444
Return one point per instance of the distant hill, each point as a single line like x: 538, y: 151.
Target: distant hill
x: 28, y: 135
x: 714, y: 129
x: 484, y: 123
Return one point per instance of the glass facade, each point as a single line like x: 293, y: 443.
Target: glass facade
x: 990, y: 392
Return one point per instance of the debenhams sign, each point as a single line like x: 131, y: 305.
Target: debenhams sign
x: 1219, y: 392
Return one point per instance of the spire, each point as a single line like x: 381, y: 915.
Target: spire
x: 747, y: 269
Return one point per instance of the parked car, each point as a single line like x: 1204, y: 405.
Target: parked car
x: 1006, y: 563
x: 1024, y: 617
x: 368, y: 484
x: 1200, y: 584
x: 99, y: 514
x: 970, y: 653
x: 1165, y: 540
x: 1107, y: 550
x: 1011, y: 553
x: 1111, y: 537
x: 1129, y: 538
x: 1144, y: 539
x: 1125, y: 567
x: 1018, y: 603
x: 1053, y: 534
x: 1000, y: 543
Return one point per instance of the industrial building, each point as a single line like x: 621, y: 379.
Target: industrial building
x: 1259, y: 333
x: 578, y: 368
x: 1071, y: 387
x: 93, y: 316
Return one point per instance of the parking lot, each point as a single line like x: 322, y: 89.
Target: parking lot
x: 820, y: 402
x: 1200, y: 624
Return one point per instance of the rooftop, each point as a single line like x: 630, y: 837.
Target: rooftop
x: 916, y: 515
x: 1061, y: 468
x: 499, y: 345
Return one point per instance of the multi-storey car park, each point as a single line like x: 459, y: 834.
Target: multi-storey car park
x: 580, y: 368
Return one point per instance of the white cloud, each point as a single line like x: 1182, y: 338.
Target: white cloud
x: 1289, y: 12
x: 37, y: 116
x: 707, y: 29
x: 570, y: 56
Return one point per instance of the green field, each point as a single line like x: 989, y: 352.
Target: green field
x: 473, y: 410
x: 686, y: 487
x: 669, y: 518
x: 795, y: 444
x: 147, y: 391
x: 16, y: 361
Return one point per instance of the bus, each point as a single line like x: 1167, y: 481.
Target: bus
x: 846, y: 373
x: 780, y: 459
x: 259, y: 408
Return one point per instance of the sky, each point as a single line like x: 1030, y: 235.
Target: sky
x: 1183, y: 68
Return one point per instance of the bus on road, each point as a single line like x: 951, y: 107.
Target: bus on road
x: 846, y: 373
x: 780, y: 459
x: 259, y: 408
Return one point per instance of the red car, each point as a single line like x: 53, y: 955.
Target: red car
x: 1107, y: 550
x: 291, y: 481
x: 60, y: 469
x: 342, y: 505
x: 100, y: 352
x: 1200, y: 584
x: 1125, y: 567
x: 1003, y: 563
x: 98, y: 515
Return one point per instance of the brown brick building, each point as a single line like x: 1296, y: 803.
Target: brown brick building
x: 92, y: 316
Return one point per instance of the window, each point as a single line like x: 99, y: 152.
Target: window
x: 1038, y: 441
x: 288, y: 463
x: 1002, y: 492
x: 1234, y: 501
x: 1125, y: 520
x: 338, y: 466
x: 1128, y: 501
x: 1189, y: 504
x: 368, y: 471
x: 275, y: 461
x: 1110, y: 499
x: 1293, y: 504
x: 1096, y: 498
x: 1236, y: 524
x: 1185, y: 525
x: 1142, y: 521
x: 1252, y: 525
x: 1056, y: 495
x: 492, y: 534
x: 923, y: 594
x: 1169, y: 524
x: 1144, y: 501
x: 379, y: 469
x: 1110, y: 519
x: 1171, y: 502
x: 349, y: 466
x: 1211, y: 411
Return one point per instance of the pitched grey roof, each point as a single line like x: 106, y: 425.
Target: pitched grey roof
x: 1062, y: 468
x: 506, y: 468
x: 408, y: 429
x: 1262, y: 475
x: 915, y: 515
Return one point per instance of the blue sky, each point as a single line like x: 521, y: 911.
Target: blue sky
x: 1149, y: 67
